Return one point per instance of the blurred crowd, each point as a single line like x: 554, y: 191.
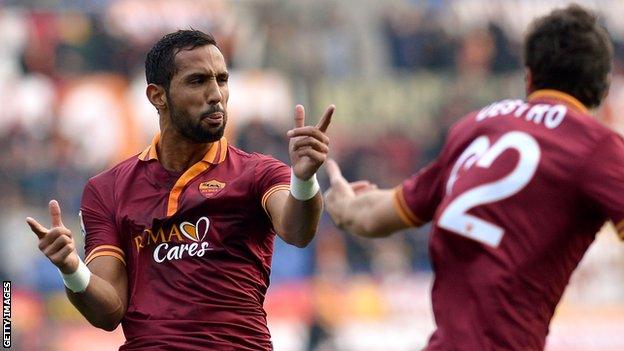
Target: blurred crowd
x: 400, y: 72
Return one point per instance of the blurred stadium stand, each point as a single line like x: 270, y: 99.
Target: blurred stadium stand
x: 400, y: 72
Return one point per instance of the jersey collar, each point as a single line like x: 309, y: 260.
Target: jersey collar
x: 215, y: 154
x: 559, y: 96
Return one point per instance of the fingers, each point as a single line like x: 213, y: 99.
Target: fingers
x: 299, y: 116
x: 362, y: 186
x: 52, y: 235
x: 59, y: 243
x: 36, y: 227
x: 310, y: 143
x: 319, y: 157
x: 326, y: 119
x: 309, y: 132
x: 56, y: 243
x: 333, y: 171
x: 55, y: 213
x: 322, y: 125
x: 59, y: 258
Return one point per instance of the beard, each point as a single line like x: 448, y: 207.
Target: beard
x: 193, y: 129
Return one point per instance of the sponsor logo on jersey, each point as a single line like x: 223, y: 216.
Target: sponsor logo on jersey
x: 179, y: 241
x: 210, y: 188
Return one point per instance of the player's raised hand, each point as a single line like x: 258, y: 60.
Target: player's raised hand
x: 308, y: 145
x: 56, y: 242
x: 341, y: 191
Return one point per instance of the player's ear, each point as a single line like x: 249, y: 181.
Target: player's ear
x: 157, y: 96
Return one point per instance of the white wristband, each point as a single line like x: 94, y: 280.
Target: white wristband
x: 303, y: 190
x: 79, y: 280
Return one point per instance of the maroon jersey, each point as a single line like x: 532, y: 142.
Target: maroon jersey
x: 197, y: 247
x: 515, y: 199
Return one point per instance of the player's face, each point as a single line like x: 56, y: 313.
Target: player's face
x: 198, y: 94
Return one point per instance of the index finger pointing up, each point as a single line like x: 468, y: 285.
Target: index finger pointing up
x: 299, y: 116
x: 326, y: 119
x: 55, y: 213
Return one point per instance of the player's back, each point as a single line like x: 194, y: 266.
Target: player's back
x: 523, y: 188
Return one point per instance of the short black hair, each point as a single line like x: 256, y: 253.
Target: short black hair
x: 570, y: 51
x: 160, y: 64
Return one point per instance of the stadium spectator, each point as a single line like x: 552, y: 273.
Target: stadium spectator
x: 515, y: 197
x: 179, y: 239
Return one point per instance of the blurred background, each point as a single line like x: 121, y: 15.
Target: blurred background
x: 72, y: 103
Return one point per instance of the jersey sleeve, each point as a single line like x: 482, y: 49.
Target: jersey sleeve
x: 271, y: 176
x: 98, y: 225
x: 602, y: 179
x: 417, y: 198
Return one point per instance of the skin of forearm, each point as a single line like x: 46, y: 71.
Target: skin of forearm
x: 357, y: 214
x: 300, y: 219
x: 99, y: 304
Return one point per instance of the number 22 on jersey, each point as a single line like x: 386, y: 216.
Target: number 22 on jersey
x: 481, y: 154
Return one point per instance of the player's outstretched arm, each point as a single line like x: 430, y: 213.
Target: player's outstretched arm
x: 296, y: 215
x: 360, y: 208
x: 98, y: 291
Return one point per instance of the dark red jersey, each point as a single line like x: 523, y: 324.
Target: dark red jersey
x: 515, y: 199
x: 197, y: 247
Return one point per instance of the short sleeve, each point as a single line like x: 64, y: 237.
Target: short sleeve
x: 417, y: 198
x: 602, y: 179
x: 98, y: 225
x: 271, y: 176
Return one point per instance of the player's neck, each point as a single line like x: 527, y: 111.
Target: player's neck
x: 177, y: 154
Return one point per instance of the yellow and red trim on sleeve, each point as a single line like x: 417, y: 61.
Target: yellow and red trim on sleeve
x: 559, y: 96
x: 403, y: 210
x: 272, y: 190
x: 106, y: 250
x: 217, y: 152
x: 619, y: 229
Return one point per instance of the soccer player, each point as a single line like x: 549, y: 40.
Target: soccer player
x: 179, y: 239
x: 515, y: 197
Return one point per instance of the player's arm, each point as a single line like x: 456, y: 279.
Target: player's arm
x: 98, y: 291
x: 360, y: 208
x: 295, y: 221
x: 295, y: 215
x: 105, y: 300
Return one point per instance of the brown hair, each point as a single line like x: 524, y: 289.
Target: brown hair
x: 570, y: 51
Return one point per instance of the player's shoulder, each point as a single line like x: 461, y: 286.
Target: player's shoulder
x: 251, y: 158
x: 595, y: 128
x: 563, y: 127
x: 463, y: 125
x: 237, y: 153
x: 109, y: 176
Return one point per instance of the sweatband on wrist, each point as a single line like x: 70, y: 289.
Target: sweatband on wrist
x: 79, y: 280
x: 303, y: 190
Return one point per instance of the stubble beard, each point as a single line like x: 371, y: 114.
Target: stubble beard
x: 195, y: 131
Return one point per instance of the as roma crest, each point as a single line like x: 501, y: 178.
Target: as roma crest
x: 210, y: 188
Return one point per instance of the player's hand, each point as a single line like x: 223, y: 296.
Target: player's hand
x: 340, y: 192
x: 57, y: 242
x: 308, y: 146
